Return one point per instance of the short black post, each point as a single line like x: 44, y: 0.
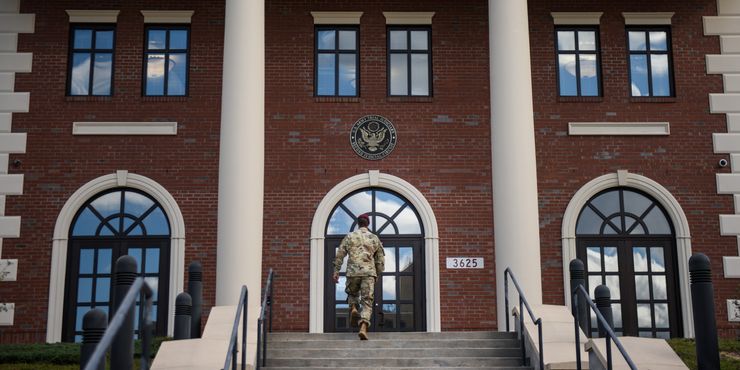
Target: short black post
x: 603, y: 300
x: 702, y: 300
x: 94, y: 324
x: 195, y: 289
x: 578, y: 277
x: 183, y: 310
x: 122, y: 349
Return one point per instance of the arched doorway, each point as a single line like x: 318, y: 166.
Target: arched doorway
x: 399, y: 290
x: 627, y: 242
x: 111, y: 224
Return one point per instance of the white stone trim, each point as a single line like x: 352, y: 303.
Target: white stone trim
x: 336, y: 17
x: 408, y: 18
x: 722, y: 103
x: 124, y: 128
x: 731, y: 266
x: 8, y: 270
x: 729, y: 44
x: 714, y: 26
x: 7, y: 311
x: 10, y: 226
x: 728, y: 7
x: 723, y: 63
x: 61, y: 234
x: 652, y: 18
x: 7, y: 82
x: 431, y: 243
x: 15, y: 62
x: 17, y: 23
x: 93, y: 16
x: 17, y: 102
x: 10, y: 6
x: 619, y: 128
x: 675, y: 212
x: 167, y: 16
x: 9, y: 42
x: 576, y: 18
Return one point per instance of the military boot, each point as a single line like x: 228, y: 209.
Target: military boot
x: 354, y: 316
x: 363, y: 330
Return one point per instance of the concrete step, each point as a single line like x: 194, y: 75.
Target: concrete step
x: 276, y: 337
x: 429, y: 362
x: 388, y: 343
x: 382, y: 353
x: 404, y: 368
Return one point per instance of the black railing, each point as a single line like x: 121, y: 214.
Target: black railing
x: 610, y: 336
x: 522, y: 303
x: 233, y: 342
x: 117, y: 324
x: 262, y: 330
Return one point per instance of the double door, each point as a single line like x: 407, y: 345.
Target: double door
x: 399, y: 290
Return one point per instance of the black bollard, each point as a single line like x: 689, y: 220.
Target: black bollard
x: 94, y: 324
x: 183, y: 310
x: 578, y: 277
x: 702, y: 300
x: 195, y: 289
x: 603, y: 300
x: 122, y: 349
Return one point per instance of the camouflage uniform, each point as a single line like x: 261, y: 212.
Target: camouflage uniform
x: 366, y: 260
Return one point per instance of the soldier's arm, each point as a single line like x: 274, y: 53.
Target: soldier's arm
x: 341, y: 252
x: 379, y: 258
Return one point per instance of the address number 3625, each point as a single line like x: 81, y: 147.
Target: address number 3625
x: 465, y: 262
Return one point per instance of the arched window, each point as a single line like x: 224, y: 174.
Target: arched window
x: 627, y: 242
x: 399, y: 290
x: 112, y: 224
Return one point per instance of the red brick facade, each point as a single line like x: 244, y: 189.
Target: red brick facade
x: 443, y: 144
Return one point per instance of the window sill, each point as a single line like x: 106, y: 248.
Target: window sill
x: 336, y: 99
x: 163, y: 98
x: 88, y: 98
x: 649, y: 99
x: 409, y: 99
x: 580, y: 99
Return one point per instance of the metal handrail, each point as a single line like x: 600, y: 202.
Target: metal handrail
x: 261, y: 328
x: 611, y: 336
x: 522, y: 301
x: 233, y: 343
x: 116, y: 324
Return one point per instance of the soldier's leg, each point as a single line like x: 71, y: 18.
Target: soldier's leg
x: 352, y: 288
x: 367, y: 293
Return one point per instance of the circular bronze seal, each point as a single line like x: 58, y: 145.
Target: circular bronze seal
x: 373, y: 137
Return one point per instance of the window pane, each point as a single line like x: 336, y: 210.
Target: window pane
x: 177, y: 77
x: 399, y: 74
x: 83, y: 39
x: 390, y: 259
x: 661, y: 315
x: 589, y: 80
x: 398, y: 40
x: 659, y: 288
x: 339, y: 223
x: 152, y: 260
x: 157, y: 40
x: 359, y: 203
x: 406, y: 287
x: 638, y: 230
x: 617, y: 314
x: 347, y: 40
x: 607, y: 203
x: 155, y: 74
x: 593, y: 282
x: 343, y: 268
x: 610, y: 259
x: 639, y: 259
x: 86, y: 261
x: 102, y: 290
x: 102, y: 74
x: 642, y: 287
x: 327, y: 40
x: 104, y: 39
x: 156, y: 223
x: 405, y: 259
x: 342, y: 315
x: 656, y: 222
x: 419, y: 40
x: 326, y: 76
x: 387, y: 203
x: 635, y: 203
x: 636, y: 40
x: 419, y: 74
x: 108, y: 204
x: 612, y: 281
x: 658, y: 41
x: 638, y: 72
x: 659, y: 70
x: 178, y: 39
x: 389, y: 287
x: 136, y: 204
x: 567, y: 74
x: 153, y: 282
x: 407, y: 316
x: 593, y: 255
x: 85, y: 224
x: 407, y: 222
x: 81, y: 311
x: 80, y: 79
x: 347, y: 74
x: 136, y: 253
x: 657, y: 262
x: 84, y: 290
x: 643, y: 316
x: 389, y: 316
x: 566, y: 40
x: 340, y: 293
x: 588, y: 222
x: 104, y: 261
x: 586, y: 40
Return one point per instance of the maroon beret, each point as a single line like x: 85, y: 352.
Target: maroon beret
x: 365, y: 216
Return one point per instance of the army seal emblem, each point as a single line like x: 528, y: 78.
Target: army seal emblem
x: 373, y: 137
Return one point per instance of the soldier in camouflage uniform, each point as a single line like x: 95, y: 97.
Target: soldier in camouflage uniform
x: 366, y: 261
